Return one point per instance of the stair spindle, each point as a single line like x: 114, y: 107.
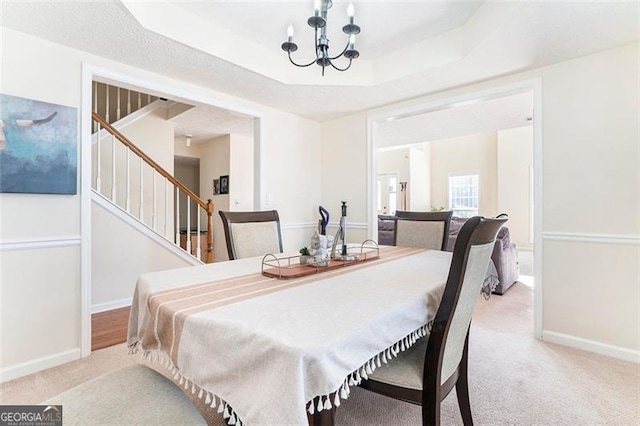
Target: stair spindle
x: 189, y: 248
x: 113, y: 169
x: 198, y: 250
x: 96, y: 125
x: 141, y: 211
x: 166, y: 209
x: 118, y: 106
x: 128, y: 201
x: 177, y: 216
x: 98, y: 163
x: 155, y: 202
x: 106, y: 116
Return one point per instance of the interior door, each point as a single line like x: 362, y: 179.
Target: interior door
x: 387, y: 193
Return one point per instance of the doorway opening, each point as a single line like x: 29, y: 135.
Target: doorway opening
x: 175, y: 99
x: 490, y: 139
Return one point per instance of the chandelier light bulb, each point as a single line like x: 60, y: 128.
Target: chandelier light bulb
x: 352, y: 41
x: 350, y: 10
x: 290, y: 32
x: 316, y: 7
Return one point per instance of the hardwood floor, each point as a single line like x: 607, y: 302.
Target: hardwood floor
x: 109, y: 328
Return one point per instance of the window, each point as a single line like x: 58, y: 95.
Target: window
x: 463, y: 195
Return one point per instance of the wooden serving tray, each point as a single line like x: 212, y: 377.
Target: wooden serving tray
x: 289, y: 267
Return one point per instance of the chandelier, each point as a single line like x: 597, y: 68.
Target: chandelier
x: 319, y: 22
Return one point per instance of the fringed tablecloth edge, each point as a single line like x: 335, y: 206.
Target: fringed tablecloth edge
x: 211, y: 399
x: 363, y: 372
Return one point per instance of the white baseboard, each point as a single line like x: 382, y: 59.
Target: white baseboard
x: 109, y: 306
x: 30, y: 367
x: 592, y: 346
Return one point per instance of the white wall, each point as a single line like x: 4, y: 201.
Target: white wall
x: 293, y: 157
x: 115, y: 243
x: 419, y: 191
x: 241, y: 174
x: 215, y: 162
x: 590, y: 195
x: 473, y: 154
x: 187, y: 173
x: 40, y: 285
x: 515, y: 186
x: 38, y: 69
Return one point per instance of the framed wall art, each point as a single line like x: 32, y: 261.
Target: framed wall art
x: 224, y: 184
x: 38, y: 147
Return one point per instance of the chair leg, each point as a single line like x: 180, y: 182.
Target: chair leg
x: 431, y: 414
x: 462, y: 387
x: 431, y: 402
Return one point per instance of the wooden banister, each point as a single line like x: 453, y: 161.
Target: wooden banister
x: 207, y: 206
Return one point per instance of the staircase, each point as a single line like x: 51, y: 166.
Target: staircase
x: 114, y: 103
x: 128, y: 178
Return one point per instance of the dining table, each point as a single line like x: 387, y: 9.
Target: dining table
x: 264, y: 350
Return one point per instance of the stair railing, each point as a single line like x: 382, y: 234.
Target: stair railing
x: 113, y: 103
x: 168, y: 180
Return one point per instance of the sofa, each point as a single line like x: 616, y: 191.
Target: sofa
x: 504, y: 255
x: 386, y: 229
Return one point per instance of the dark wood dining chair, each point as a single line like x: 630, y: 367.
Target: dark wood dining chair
x: 428, y: 230
x: 425, y: 373
x: 250, y: 234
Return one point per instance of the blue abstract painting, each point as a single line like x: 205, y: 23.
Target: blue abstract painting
x: 38, y: 147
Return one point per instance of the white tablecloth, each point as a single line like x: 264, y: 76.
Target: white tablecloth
x: 267, y: 356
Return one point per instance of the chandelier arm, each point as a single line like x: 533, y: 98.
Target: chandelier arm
x: 341, y: 53
x: 342, y: 69
x: 298, y: 65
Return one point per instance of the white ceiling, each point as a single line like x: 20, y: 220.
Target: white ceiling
x: 486, y: 116
x: 386, y: 28
x: 204, y: 123
x: 485, y: 40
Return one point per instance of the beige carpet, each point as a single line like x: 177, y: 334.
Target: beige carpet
x: 514, y: 379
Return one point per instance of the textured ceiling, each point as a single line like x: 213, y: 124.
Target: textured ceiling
x: 206, y: 122
x: 384, y: 28
x: 494, y: 114
x: 536, y: 34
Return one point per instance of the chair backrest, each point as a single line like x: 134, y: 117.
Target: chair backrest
x: 466, y: 275
x: 250, y: 234
x: 428, y: 230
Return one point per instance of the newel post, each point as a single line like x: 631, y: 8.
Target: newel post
x: 209, y: 258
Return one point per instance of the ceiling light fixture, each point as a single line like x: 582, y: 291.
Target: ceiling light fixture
x: 319, y: 22
x: 187, y: 139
